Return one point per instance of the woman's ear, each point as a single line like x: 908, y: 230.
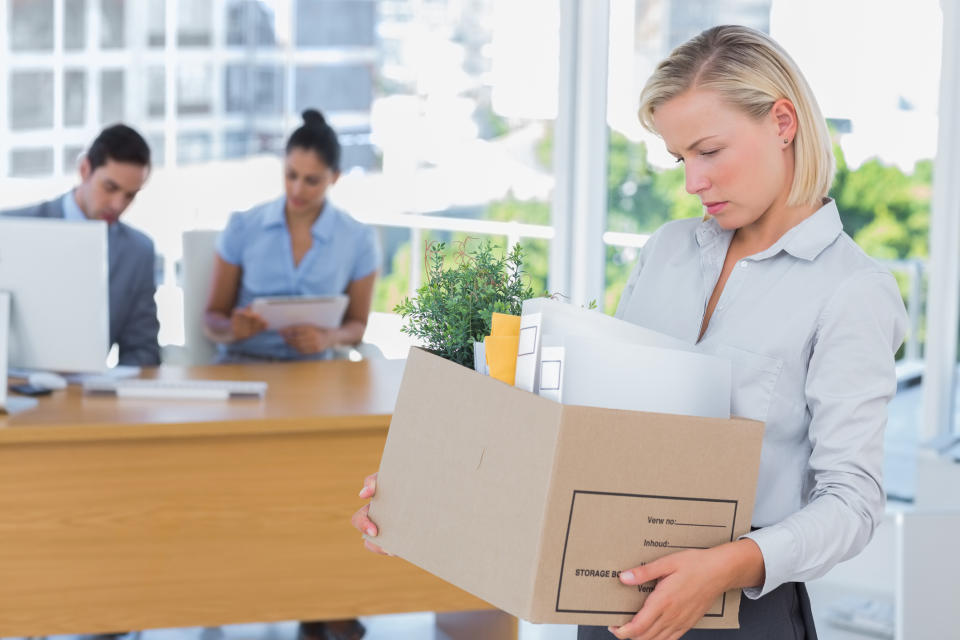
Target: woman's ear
x: 784, y: 115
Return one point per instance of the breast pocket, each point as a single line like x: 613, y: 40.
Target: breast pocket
x: 754, y: 377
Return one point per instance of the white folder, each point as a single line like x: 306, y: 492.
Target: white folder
x: 543, y: 316
x: 597, y: 372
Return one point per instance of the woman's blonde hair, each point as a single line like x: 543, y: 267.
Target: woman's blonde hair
x: 750, y: 71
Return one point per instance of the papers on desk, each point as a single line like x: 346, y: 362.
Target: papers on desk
x: 119, y: 372
x: 281, y: 312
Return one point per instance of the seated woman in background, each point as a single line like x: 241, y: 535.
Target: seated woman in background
x: 299, y: 244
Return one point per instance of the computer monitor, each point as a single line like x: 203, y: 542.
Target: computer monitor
x: 56, y: 275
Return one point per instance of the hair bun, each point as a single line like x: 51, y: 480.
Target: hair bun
x: 314, y: 119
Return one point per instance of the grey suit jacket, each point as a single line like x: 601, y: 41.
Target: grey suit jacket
x: 133, y: 311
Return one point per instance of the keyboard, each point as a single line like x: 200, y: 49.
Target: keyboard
x: 175, y: 389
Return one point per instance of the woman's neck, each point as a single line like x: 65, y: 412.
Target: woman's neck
x: 306, y: 217
x: 770, y: 227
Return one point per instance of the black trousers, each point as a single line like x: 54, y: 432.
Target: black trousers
x: 782, y: 614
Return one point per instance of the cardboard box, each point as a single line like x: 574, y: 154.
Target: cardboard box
x: 535, y: 506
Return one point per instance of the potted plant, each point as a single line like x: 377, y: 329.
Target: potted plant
x: 452, y: 309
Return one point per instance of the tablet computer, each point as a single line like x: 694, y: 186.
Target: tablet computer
x: 286, y: 311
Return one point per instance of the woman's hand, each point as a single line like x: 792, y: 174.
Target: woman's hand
x: 361, y: 521
x: 245, y: 323
x: 688, y: 583
x: 307, y: 338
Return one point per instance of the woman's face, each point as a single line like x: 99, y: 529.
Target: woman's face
x: 738, y: 166
x: 306, y: 179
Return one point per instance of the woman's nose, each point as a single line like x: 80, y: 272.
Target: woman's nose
x: 695, y: 180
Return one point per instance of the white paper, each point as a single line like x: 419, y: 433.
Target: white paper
x: 543, y: 316
x: 320, y: 311
x: 119, y: 372
x: 598, y: 372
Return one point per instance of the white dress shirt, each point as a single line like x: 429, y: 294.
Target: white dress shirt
x: 811, y: 326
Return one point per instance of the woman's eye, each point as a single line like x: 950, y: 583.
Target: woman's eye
x: 679, y: 160
x: 709, y: 153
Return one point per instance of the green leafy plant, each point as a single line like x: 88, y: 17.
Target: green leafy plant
x: 452, y: 309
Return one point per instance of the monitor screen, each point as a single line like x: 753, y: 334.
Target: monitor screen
x: 56, y: 273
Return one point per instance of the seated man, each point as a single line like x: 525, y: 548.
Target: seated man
x: 111, y: 173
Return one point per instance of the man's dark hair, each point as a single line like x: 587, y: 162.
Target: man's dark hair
x: 119, y: 143
x: 317, y: 136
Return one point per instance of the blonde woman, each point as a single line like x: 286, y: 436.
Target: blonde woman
x: 768, y: 279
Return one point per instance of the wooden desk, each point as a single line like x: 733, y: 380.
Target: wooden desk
x: 135, y: 514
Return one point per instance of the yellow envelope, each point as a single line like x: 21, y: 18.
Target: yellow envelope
x: 502, y: 324
x: 502, y: 356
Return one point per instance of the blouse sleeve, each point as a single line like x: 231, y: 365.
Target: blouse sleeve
x: 368, y: 254
x: 231, y: 240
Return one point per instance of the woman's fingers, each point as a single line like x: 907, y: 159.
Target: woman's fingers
x: 372, y: 547
x: 362, y: 522
x: 369, y: 486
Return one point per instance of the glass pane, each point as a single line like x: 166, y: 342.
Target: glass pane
x: 249, y: 89
x: 195, y: 23
x: 31, y: 99
x: 336, y: 23
x: 194, y: 89
x: 31, y: 163
x: 156, y: 92
x: 74, y: 98
x: 156, y: 23
x: 31, y: 25
x: 112, y: 22
x: 334, y: 88
x: 194, y: 147
x: 71, y: 159
x: 74, y: 24
x: 155, y: 140
x: 111, y: 96
x: 250, y: 23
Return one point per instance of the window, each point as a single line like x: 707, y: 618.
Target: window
x: 194, y: 147
x: 334, y: 88
x: 193, y: 89
x: 156, y: 23
x: 74, y: 24
x: 31, y: 99
x: 29, y: 163
x: 250, y: 23
x: 112, y: 23
x: 156, y: 92
x: 332, y: 23
x: 74, y: 97
x: 195, y: 23
x: 31, y: 25
x: 112, y: 96
x: 71, y: 158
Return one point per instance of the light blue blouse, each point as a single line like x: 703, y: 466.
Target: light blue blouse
x: 810, y: 325
x: 258, y: 241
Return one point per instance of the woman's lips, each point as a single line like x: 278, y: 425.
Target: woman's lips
x: 714, y: 208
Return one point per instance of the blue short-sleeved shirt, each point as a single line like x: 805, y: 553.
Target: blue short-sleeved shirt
x: 258, y: 241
